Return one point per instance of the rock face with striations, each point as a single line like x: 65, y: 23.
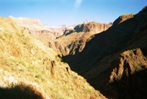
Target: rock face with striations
x: 115, y: 61
x: 73, y: 41
x: 92, y: 27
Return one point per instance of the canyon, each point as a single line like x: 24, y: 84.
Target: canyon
x: 89, y: 61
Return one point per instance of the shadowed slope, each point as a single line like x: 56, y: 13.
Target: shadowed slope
x: 115, y: 61
x: 105, y: 43
x: 21, y: 91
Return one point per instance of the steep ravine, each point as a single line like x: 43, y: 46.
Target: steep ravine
x: 106, y: 43
x: 115, y: 61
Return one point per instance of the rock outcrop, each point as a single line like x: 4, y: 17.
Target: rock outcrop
x: 92, y: 27
x: 74, y: 40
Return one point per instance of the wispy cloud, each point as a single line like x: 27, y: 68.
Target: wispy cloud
x: 78, y: 3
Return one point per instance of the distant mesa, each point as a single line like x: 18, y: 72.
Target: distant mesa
x: 91, y: 27
x: 36, y: 28
x: 26, y: 21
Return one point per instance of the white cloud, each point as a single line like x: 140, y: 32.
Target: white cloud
x: 78, y: 3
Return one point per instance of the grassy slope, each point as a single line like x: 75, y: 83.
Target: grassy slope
x: 25, y: 59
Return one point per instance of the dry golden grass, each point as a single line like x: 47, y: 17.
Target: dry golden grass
x: 26, y: 59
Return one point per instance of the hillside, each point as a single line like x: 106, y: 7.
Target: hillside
x: 114, y: 61
x: 30, y: 70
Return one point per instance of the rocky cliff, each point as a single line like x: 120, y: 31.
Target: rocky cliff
x: 74, y: 40
x: 114, y: 61
x: 92, y: 27
x: 107, y: 42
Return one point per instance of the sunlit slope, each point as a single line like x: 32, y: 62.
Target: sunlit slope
x: 23, y: 59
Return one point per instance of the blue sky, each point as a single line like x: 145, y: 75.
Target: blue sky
x: 70, y: 12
